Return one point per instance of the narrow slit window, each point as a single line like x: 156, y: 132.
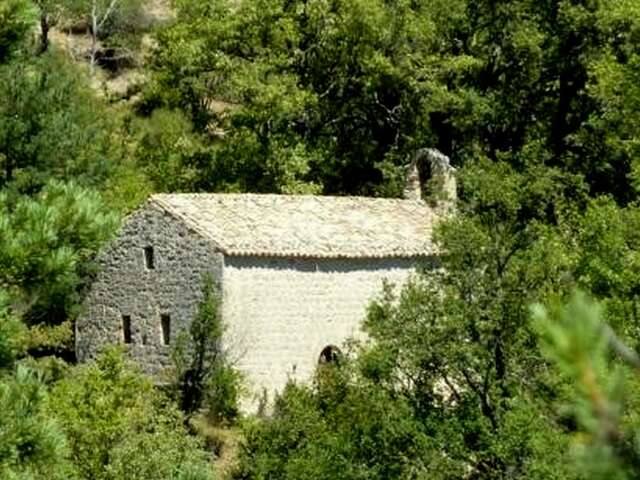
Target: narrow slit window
x: 165, y: 323
x: 149, y: 259
x: 126, y: 328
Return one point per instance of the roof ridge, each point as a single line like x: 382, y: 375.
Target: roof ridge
x: 288, y: 196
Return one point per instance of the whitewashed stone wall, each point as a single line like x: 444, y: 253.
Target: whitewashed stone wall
x: 281, y: 313
x: 125, y: 286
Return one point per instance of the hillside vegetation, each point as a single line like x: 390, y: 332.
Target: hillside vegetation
x: 517, y: 360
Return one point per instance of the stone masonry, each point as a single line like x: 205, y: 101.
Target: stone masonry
x: 296, y: 275
x: 281, y: 313
x: 125, y: 286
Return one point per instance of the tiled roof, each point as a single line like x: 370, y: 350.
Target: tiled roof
x: 306, y: 225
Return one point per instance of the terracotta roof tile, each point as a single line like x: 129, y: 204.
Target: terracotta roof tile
x: 306, y: 225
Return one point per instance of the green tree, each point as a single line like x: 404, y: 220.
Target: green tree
x: 604, y: 243
x: 119, y: 426
x: 341, y: 428
x: 170, y: 152
x: 16, y: 19
x: 304, y: 96
x: 32, y: 445
x: 12, y: 334
x: 335, y: 96
x: 47, y: 244
x: 204, y: 376
x: 581, y: 345
x: 541, y: 89
x: 51, y: 126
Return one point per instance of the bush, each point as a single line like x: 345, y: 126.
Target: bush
x: 119, y: 426
x: 341, y: 428
x: 203, y: 375
x: 32, y: 446
x: 12, y: 334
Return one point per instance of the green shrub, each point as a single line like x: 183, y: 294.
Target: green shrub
x: 202, y: 372
x: 119, y: 426
x: 12, y: 334
x: 32, y: 445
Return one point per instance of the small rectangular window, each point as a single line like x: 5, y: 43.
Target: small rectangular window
x: 126, y: 328
x: 165, y: 322
x: 148, y: 258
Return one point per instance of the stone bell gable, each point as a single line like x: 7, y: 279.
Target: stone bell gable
x: 296, y: 275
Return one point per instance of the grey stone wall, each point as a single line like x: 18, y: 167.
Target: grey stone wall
x: 125, y: 286
x: 282, y: 312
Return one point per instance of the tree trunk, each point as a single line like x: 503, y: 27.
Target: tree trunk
x: 45, y: 26
x: 8, y: 171
x: 94, y: 38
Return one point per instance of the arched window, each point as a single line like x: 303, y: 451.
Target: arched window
x: 330, y: 354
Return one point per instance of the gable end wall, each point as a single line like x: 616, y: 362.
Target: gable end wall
x: 125, y: 286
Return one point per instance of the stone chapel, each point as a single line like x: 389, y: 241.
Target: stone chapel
x: 295, y: 272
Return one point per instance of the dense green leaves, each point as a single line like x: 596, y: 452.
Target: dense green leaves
x: 32, y: 446
x: 334, y: 96
x: 51, y: 126
x: 170, y: 152
x: 576, y: 339
x: 12, y: 334
x: 341, y: 430
x: 16, y: 19
x: 303, y: 96
x: 203, y: 375
x: 119, y: 426
x: 47, y: 244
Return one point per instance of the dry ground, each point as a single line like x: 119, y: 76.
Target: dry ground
x: 75, y: 43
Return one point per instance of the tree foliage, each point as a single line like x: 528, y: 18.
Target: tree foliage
x: 51, y: 126
x: 16, y: 19
x: 307, y: 96
x: 334, y: 96
x: 47, y: 245
x: 581, y: 345
x: 119, y: 426
x: 12, y: 334
x: 341, y: 430
x: 32, y: 445
x: 203, y: 374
